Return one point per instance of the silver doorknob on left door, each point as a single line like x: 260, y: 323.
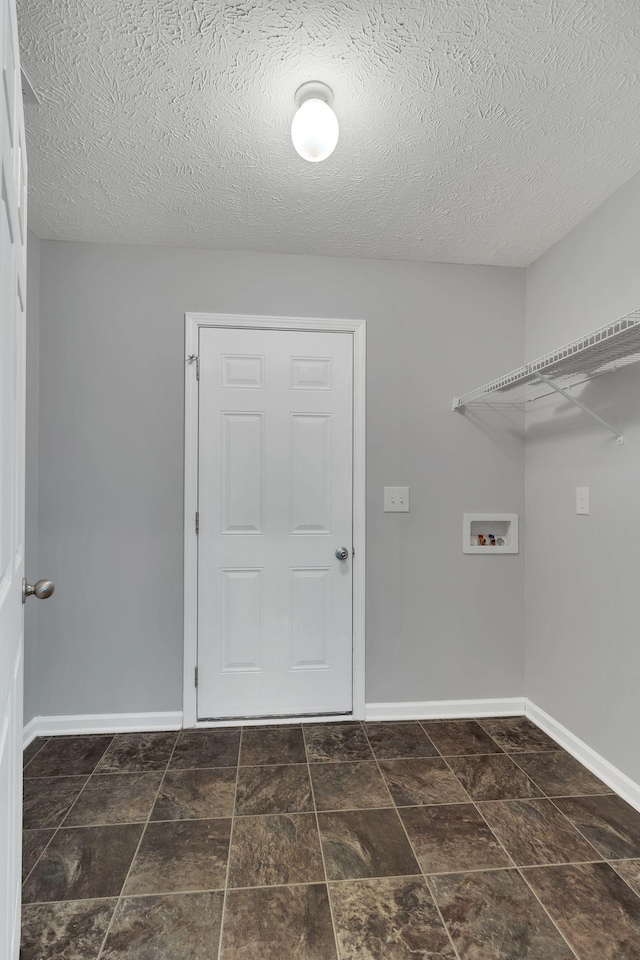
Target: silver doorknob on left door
x: 41, y: 589
x: 342, y: 553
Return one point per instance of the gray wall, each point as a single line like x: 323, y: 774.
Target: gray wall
x: 583, y: 601
x: 440, y: 624
x: 31, y: 613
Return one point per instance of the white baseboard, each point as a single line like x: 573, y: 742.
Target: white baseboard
x: 445, y: 709
x: 101, y: 723
x: 619, y: 782
x: 29, y: 732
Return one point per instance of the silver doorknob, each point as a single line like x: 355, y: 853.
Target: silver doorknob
x: 342, y: 553
x: 42, y: 589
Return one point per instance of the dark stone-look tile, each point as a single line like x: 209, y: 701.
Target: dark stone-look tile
x: 629, y: 870
x: 33, y: 844
x: 47, y: 801
x: 272, y: 745
x: 336, y: 741
x: 452, y: 837
x: 393, y: 740
x: 595, y: 909
x: 349, y: 786
x: 68, y: 756
x: 391, y: 919
x: 131, y: 752
x: 65, y: 931
x: 533, y: 832
x: 455, y: 738
x: 114, y: 798
x: 365, y: 843
x: 494, y: 777
x: 560, y: 775
x: 83, y: 863
x: 494, y: 916
x: 277, y: 789
x: 179, y: 856
x: 34, y: 747
x: 278, y: 923
x: 196, y: 794
x: 278, y: 849
x: 422, y: 781
x: 184, y: 926
x: 518, y: 735
x: 206, y: 748
x: 610, y: 824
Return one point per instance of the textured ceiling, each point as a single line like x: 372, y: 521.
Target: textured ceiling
x: 473, y: 131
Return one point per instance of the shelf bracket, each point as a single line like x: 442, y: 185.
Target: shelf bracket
x: 594, y: 416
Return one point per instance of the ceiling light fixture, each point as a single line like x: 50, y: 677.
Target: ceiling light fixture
x: 314, y: 129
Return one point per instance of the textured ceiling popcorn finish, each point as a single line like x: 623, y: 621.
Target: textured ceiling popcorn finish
x: 473, y: 131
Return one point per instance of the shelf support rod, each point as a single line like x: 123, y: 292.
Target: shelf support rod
x: 594, y: 416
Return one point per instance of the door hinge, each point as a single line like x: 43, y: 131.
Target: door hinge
x: 197, y: 523
x: 196, y: 677
x: 191, y: 358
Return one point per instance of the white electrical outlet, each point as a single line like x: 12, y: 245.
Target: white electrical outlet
x: 582, y: 501
x: 396, y: 499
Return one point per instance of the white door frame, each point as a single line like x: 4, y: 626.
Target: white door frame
x: 193, y: 323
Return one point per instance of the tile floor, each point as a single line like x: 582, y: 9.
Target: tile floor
x: 440, y: 840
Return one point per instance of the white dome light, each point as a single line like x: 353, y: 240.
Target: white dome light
x: 314, y: 129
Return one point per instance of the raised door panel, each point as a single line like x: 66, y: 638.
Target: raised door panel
x: 242, y: 372
x: 241, y: 620
x: 242, y: 473
x: 310, y: 473
x: 311, y: 618
x: 310, y: 373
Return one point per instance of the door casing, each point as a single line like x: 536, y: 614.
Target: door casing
x: 193, y: 323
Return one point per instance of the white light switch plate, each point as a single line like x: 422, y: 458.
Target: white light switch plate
x: 582, y: 501
x: 396, y: 499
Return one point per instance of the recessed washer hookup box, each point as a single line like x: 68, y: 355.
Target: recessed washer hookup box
x: 490, y: 533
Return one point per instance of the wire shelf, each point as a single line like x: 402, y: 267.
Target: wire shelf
x: 607, y: 349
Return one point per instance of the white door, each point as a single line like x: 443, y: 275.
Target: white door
x: 275, y: 491
x: 13, y: 239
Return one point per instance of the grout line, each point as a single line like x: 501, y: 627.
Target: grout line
x: 415, y: 856
x: 624, y: 879
x: 99, y: 736
x: 324, y: 864
x: 45, y: 740
x: 520, y: 873
x: 578, y: 796
x: 567, y: 796
x: 137, y: 850
x: 87, y: 777
x: 475, y: 805
x: 117, y: 823
x: 420, y: 875
x: 573, y: 826
x: 561, y: 863
x: 301, y: 813
x: 547, y: 913
x: 438, y: 756
x: 226, y: 879
x: 55, y: 831
x: 442, y: 920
